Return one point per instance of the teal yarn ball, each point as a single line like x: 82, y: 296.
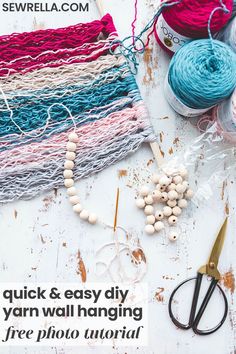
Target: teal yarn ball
x: 202, y: 74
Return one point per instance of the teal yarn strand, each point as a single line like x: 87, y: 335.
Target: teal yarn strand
x: 199, y: 78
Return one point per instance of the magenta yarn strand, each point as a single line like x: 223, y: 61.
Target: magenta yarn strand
x: 135, y: 20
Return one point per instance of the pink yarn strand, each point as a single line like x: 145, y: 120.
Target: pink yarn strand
x: 133, y: 25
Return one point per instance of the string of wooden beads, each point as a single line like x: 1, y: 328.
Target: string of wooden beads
x: 69, y: 181
x: 172, y: 189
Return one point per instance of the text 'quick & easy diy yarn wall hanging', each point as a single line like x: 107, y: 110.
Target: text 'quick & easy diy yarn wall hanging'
x: 56, y: 81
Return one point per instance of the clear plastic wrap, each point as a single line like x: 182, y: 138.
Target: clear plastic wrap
x: 209, y: 160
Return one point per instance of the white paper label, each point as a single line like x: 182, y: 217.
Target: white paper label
x: 179, y: 106
x: 169, y: 38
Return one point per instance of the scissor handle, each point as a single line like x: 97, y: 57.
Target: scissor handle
x: 193, y: 318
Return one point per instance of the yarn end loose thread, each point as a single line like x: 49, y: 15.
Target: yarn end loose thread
x: 153, y: 145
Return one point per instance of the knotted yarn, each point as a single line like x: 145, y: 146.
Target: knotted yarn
x: 201, y: 75
x: 66, y: 80
x: 228, y: 34
x: 188, y: 20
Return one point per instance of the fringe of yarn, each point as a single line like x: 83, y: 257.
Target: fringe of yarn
x: 97, y: 88
x: 208, y: 74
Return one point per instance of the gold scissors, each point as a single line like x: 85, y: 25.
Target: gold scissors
x: 211, y: 270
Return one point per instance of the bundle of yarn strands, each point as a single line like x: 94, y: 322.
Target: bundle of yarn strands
x: 56, y: 81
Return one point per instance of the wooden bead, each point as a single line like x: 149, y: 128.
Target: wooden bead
x: 171, y: 187
x: 162, y: 188
x: 68, y: 182
x: 159, y: 226
x: 74, y: 200
x: 77, y: 208
x: 140, y: 203
x: 149, y: 229
x: 148, y: 210
x: 92, y: 218
x: 172, y: 220
x: 176, y: 211
x: 71, y: 146
x: 155, y: 178
x: 164, y: 181
x: 164, y: 196
x: 182, y: 203
x: 177, y: 179
x: 183, y: 172
x: 172, y: 195
x: 68, y: 174
x: 173, y: 236
x: 70, y: 155
x: 180, y: 196
x: 84, y: 215
x: 73, y: 137
x: 171, y: 203
x: 144, y: 190
x: 156, y: 195
x: 69, y: 165
x: 186, y: 184
x: 159, y: 215
x: 71, y: 191
x: 189, y: 194
x: 148, y: 200
x: 167, y: 211
x: 150, y: 220
x: 180, y: 188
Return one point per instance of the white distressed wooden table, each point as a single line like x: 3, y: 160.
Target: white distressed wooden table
x: 43, y: 241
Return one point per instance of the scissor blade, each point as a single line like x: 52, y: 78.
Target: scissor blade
x: 218, y: 245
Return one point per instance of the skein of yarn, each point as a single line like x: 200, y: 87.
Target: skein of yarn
x: 201, y: 75
x: 228, y: 34
x: 189, y: 20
